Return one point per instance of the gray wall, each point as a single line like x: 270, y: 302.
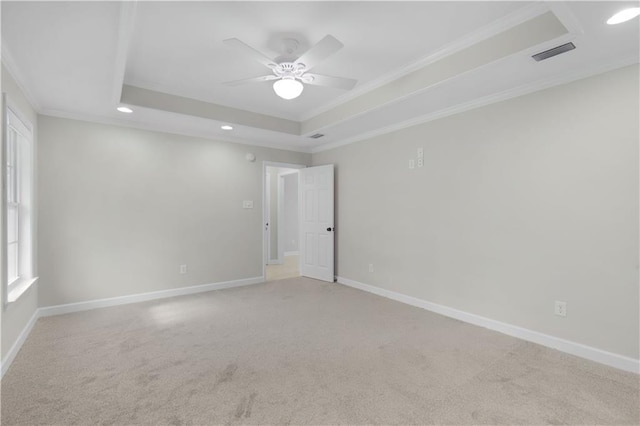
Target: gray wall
x: 291, y: 229
x: 16, y: 315
x: 519, y: 204
x: 122, y: 208
x: 273, y: 212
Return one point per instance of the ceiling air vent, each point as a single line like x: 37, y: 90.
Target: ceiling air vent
x: 553, y: 52
x: 316, y: 136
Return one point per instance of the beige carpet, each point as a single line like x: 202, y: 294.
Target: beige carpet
x: 298, y: 351
x: 288, y: 269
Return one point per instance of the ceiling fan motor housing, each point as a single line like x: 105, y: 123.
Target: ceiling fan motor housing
x: 295, y: 69
x: 292, y: 70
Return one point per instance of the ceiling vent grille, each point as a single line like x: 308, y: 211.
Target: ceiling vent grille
x: 553, y: 52
x: 316, y: 136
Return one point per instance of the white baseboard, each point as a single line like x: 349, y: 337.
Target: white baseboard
x: 143, y: 297
x: 291, y: 253
x: 275, y: 262
x: 8, y: 359
x: 608, y: 358
x: 588, y: 352
x: 114, y: 301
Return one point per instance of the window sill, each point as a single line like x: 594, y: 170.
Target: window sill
x: 20, y: 289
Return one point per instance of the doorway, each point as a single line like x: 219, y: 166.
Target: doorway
x: 281, y: 221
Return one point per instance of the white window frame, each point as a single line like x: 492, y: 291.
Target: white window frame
x: 20, y: 162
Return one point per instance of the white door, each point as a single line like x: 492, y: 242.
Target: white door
x: 267, y: 217
x: 316, y: 222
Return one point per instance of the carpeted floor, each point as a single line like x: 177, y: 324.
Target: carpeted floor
x: 298, y: 351
x: 288, y: 269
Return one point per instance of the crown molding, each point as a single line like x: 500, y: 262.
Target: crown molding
x: 522, y: 90
x: 477, y: 103
x: 525, y: 51
x: 12, y: 68
x: 509, y: 21
x: 566, y: 16
x: 160, y: 128
x: 125, y: 31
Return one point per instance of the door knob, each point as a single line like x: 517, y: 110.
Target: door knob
x: 329, y: 229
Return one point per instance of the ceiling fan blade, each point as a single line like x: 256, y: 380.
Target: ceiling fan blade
x: 322, y: 50
x: 250, y: 80
x: 327, y: 80
x: 250, y: 51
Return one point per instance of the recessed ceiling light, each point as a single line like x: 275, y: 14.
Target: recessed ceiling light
x: 125, y: 109
x: 624, y: 16
x: 226, y: 127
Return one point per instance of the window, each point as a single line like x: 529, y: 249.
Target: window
x: 18, y: 204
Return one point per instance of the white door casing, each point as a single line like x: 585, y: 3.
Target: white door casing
x: 266, y: 218
x: 265, y: 193
x: 316, y: 223
x: 280, y: 219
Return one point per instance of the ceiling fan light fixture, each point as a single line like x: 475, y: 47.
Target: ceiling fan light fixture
x: 288, y: 88
x: 624, y: 16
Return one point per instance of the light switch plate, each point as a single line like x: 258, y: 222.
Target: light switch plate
x: 247, y: 204
x: 412, y: 164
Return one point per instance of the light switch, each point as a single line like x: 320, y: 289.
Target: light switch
x: 247, y: 204
x: 420, y: 152
x: 412, y: 164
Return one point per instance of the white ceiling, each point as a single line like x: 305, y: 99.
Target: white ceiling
x: 178, y: 48
x: 73, y: 58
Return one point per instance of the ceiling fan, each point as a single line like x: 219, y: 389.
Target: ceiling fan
x: 289, y: 76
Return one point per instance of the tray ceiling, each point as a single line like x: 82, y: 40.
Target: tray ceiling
x: 414, y: 61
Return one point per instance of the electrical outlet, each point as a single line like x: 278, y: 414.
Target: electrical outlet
x: 420, y: 162
x: 561, y: 308
x: 183, y: 269
x: 371, y: 267
x: 247, y: 204
x: 412, y: 164
x: 420, y: 152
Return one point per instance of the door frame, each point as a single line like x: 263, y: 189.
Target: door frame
x: 266, y: 219
x: 265, y: 164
